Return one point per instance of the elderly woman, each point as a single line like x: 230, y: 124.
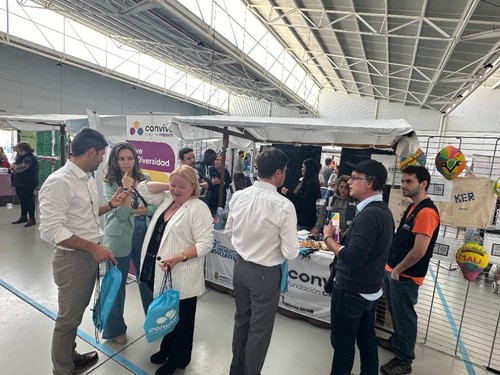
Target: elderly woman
x: 125, y: 230
x: 24, y: 172
x: 180, y: 234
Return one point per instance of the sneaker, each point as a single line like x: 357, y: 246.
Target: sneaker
x: 395, y: 367
x: 386, y: 344
x: 121, y: 340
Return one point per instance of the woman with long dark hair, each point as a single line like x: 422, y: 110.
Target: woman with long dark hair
x: 24, y: 172
x: 125, y: 230
x: 305, y: 195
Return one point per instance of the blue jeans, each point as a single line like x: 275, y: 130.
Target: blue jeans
x: 115, y: 325
x: 402, y: 296
x: 353, y: 322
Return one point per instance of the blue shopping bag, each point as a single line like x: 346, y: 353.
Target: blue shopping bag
x: 284, y: 277
x: 163, y: 312
x: 106, y: 294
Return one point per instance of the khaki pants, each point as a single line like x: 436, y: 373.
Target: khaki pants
x: 75, y: 274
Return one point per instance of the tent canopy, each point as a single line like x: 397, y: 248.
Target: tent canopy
x: 321, y: 132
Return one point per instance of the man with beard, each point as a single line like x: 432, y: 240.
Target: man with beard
x: 69, y: 214
x: 407, y: 266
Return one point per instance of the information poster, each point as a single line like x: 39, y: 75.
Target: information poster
x: 156, y: 145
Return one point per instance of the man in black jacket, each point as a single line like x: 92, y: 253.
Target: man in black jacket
x: 407, y: 266
x: 360, y: 270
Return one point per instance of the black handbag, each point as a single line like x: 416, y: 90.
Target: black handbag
x: 333, y: 272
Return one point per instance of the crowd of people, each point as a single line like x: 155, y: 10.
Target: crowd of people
x: 158, y: 226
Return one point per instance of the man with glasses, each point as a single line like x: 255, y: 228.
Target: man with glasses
x: 407, y: 266
x: 359, y: 270
x: 69, y: 213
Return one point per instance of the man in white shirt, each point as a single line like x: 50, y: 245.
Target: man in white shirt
x: 263, y: 227
x: 69, y: 214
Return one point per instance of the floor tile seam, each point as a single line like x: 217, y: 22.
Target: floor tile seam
x: 111, y: 354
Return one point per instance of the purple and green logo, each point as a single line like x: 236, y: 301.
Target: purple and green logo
x: 136, y: 129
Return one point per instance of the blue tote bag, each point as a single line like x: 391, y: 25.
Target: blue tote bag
x: 163, y: 312
x: 106, y: 294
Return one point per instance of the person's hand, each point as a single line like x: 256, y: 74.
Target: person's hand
x: 102, y: 253
x: 284, y: 190
x: 204, y: 185
x: 119, y: 197
x: 127, y: 181
x: 329, y: 230
x: 395, y: 275
x: 314, y: 231
x: 172, y: 261
x: 215, y: 181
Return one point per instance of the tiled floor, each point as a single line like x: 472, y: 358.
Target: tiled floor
x: 28, y: 307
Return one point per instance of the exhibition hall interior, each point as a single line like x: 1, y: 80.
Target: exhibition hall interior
x: 218, y: 85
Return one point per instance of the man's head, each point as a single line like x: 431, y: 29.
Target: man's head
x: 239, y: 181
x: 367, y: 178
x: 328, y: 161
x: 271, y: 165
x: 209, y: 156
x: 415, y: 181
x: 89, y: 146
x: 186, y: 156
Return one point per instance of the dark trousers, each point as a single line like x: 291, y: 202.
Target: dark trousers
x: 256, y: 294
x: 353, y: 322
x: 178, y: 344
x: 25, y: 195
x: 402, y: 296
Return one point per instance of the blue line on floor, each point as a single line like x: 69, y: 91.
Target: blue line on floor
x: 463, y: 351
x: 83, y: 335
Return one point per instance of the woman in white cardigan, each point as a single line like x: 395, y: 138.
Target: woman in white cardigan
x: 179, y: 235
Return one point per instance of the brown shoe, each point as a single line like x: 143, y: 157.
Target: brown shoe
x: 395, y: 367
x: 386, y: 344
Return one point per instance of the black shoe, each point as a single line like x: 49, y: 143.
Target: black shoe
x: 386, y: 344
x: 395, y: 367
x: 85, y: 360
x: 166, y: 369
x: 30, y: 223
x: 159, y: 358
x: 22, y: 219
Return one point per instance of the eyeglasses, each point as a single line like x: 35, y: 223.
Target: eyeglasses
x: 354, y: 178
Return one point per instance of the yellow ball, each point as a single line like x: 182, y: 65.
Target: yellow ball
x: 496, y: 188
x: 472, y: 259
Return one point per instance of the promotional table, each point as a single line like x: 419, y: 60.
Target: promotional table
x: 307, y: 276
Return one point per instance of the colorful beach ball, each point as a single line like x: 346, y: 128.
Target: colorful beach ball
x: 450, y: 162
x: 496, y: 187
x: 472, y: 259
x: 417, y: 158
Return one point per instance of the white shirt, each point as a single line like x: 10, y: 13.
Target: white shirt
x: 263, y: 225
x: 69, y: 205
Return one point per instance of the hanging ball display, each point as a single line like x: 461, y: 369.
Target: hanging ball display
x: 417, y: 158
x: 496, y: 187
x: 450, y: 162
x: 472, y: 259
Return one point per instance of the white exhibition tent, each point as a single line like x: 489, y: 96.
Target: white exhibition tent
x: 242, y: 130
x: 317, y: 131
